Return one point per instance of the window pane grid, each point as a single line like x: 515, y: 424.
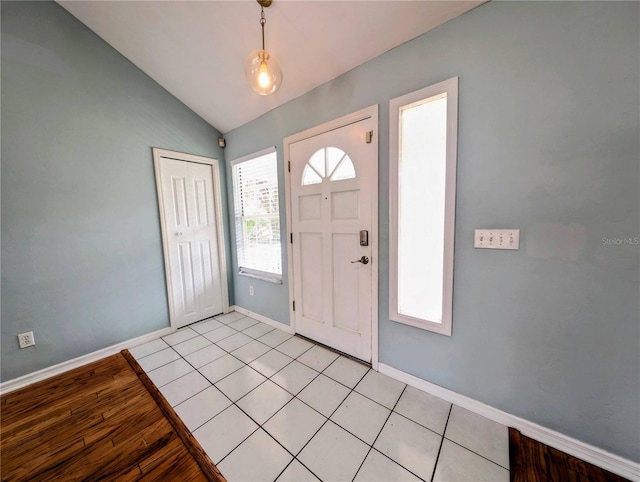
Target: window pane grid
x: 328, y: 162
x: 257, y: 219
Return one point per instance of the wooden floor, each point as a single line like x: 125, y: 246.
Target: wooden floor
x: 532, y: 461
x: 96, y: 422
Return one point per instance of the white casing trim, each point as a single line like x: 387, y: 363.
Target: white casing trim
x: 366, y: 113
x: 263, y: 319
x: 28, y: 379
x: 588, y: 453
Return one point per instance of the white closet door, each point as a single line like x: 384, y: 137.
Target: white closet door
x: 191, y: 240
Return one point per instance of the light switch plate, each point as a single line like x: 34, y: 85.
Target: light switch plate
x: 497, y: 239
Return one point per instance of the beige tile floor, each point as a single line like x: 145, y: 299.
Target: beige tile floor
x: 269, y: 406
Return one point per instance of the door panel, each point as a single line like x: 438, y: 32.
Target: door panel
x: 184, y: 283
x: 311, y: 256
x: 179, y: 192
x: 332, y: 180
x: 345, y: 205
x: 207, y: 300
x: 346, y: 278
x: 310, y: 207
x: 191, y: 240
x: 201, y: 207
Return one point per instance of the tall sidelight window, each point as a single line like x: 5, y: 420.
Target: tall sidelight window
x: 257, y: 216
x: 423, y: 151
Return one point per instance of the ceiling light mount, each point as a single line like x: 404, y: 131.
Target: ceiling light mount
x: 261, y: 68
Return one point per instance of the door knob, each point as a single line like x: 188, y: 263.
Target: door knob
x: 363, y: 260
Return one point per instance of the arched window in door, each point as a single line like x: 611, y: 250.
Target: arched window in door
x: 328, y: 162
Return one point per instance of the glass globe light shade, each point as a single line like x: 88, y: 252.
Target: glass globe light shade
x: 263, y: 72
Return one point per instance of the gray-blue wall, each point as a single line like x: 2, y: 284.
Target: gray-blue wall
x: 548, y: 143
x: 82, y: 261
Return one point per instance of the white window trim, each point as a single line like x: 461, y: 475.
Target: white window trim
x: 243, y: 271
x: 260, y: 275
x: 449, y: 86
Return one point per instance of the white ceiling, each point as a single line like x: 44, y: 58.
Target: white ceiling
x: 196, y: 49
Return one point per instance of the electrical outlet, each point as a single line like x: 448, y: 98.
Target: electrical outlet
x: 497, y: 239
x: 26, y: 339
x: 250, y: 290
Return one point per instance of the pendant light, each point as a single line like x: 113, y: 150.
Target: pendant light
x: 261, y: 68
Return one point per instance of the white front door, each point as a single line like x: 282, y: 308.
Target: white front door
x: 333, y: 180
x: 191, y: 241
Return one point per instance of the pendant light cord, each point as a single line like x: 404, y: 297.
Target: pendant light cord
x: 263, y: 20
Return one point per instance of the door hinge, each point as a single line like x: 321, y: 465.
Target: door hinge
x: 289, y: 165
x: 291, y: 238
x: 369, y: 137
x: 294, y: 306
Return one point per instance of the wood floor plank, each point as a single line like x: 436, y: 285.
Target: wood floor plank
x: 28, y: 465
x: 68, y: 424
x: 143, y: 436
x: 103, y: 459
x: 118, y: 427
x: 173, y: 468
x: 73, y: 383
x: 170, y: 466
x: 94, y: 422
x: 532, y: 461
x: 55, y: 436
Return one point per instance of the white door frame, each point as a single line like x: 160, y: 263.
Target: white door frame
x: 217, y: 200
x: 369, y: 112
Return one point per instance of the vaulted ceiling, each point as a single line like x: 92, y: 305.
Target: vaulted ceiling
x: 196, y: 49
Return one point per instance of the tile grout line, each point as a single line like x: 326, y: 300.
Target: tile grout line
x: 226, y: 353
x: 293, y: 396
x: 224, y: 394
x: 327, y: 419
x: 302, y: 401
x: 374, y: 441
x: 169, y: 345
x: 391, y: 411
x: 260, y: 426
x: 419, y: 424
x: 286, y: 466
x: 295, y: 456
x: 435, y: 466
x: 245, y: 364
x: 241, y: 442
x: 208, y: 380
x: 266, y: 378
x: 153, y: 352
x: 476, y: 453
x: 234, y: 404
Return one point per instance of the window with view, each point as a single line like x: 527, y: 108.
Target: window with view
x: 422, y: 177
x: 257, y: 217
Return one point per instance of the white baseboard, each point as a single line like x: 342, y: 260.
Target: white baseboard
x: 588, y: 453
x: 264, y: 319
x: 23, y: 381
